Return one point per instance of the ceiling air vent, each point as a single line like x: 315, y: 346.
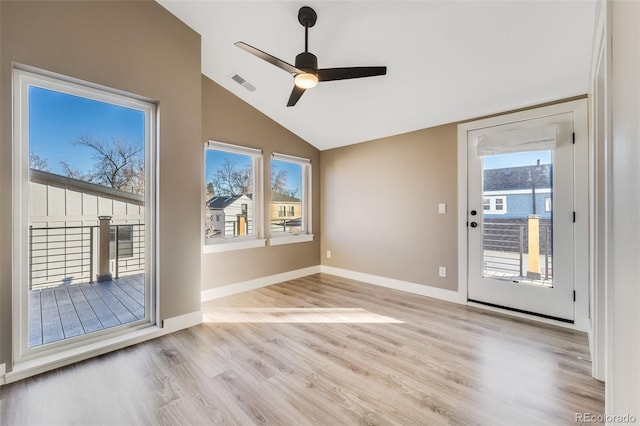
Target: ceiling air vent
x: 242, y: 82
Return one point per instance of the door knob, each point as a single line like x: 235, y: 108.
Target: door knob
x: 473, y: 224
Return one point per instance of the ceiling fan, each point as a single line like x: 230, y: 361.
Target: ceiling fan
x: 305, y: 72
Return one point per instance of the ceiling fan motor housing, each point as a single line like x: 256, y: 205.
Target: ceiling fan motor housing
x: 307, y: 62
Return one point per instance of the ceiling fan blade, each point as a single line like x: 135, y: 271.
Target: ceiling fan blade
x: 330, y: 74
x: 295, y: 95
x: 269, y: 58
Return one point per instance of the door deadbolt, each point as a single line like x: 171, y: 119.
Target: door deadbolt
x: 473, y: 212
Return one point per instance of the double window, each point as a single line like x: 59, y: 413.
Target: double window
x: 233, y: 213
x: 494, y: 205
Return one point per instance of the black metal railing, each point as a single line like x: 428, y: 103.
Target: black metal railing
x: 67, y: 255
x: 505, y: 245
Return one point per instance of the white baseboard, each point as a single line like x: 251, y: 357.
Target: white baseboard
x: 228, y: 290
x: 3, y: 371
x: 423, y: 290
x: 44, y: 363
x: 181, y: 322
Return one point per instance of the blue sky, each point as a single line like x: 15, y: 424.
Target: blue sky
x: 57, y: 119
x: 500, y: 161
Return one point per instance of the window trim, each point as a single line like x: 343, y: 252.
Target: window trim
x: 306, y: 234
x: 256, y: 239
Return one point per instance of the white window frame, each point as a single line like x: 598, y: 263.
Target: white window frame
x: 256, y: 239
x: 493, y: 202
x: 306, y: 234
x: 23, y: 78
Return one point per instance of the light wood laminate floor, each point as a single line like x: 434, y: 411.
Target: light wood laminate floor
x: 324, y: 350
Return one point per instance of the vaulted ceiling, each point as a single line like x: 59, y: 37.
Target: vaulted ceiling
x: 447, y: 60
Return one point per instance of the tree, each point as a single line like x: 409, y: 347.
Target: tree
x: 231, y: 181
x: 210, y: 191
x: 118, y: 164
x: 278, y: 181
x: 37, y: 163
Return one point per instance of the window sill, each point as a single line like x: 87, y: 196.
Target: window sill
x: 233, y: 245
x: 290, y: 239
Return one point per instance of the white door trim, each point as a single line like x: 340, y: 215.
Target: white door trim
x: 581, y: 240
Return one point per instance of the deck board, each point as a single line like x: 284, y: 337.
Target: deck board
x: 71, y: 324
x: 51, y: 323
x: 88, y: 317
x: 74, y: 310
x: 106, y: 317
x: 35, y: 320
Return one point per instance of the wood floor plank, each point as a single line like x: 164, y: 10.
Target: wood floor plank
x: 308, y: 352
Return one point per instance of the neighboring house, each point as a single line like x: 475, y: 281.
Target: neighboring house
x: 286, y: 211
x: 227, y: 216
x: 64, y: 224
x: 509, y: 193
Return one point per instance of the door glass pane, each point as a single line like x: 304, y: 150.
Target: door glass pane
x: 518, y: 217
x: 86, y: 240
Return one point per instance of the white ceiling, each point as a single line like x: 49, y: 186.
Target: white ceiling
x: 447, y: 60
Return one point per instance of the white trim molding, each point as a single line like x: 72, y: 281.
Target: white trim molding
x: 228, y: 290
x: 421, y: 289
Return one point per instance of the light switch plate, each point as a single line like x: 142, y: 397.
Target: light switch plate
x: 442, y: 208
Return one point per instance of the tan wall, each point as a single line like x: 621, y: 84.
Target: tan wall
x: 380, y: 207
x: 226, y: 118
x: 137, y: 47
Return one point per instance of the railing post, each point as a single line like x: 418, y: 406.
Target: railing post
x: 521, y: 250
x: 546, y: 253
x: 30, y: 256
x: 117, y: 243
x: 533, y: 271
x: 91, y: 258
x: 104, y: 274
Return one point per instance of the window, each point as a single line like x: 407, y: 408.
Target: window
x: 124, y: 246
x: 232, y: 197
x: 83, y: 154
x: 290, y: 212
x: 494, y: 205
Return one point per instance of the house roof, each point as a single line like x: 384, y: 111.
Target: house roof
x: 223, y: 201
x: 47, y: 178
x: 513, y: 178
x: 282, y: 198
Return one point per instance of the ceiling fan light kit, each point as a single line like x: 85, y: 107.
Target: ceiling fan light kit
x: 306, y: 74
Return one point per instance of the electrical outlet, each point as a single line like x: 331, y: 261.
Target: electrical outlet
x: 328, y: 254
x: 442, y: 208
x: 442, y: 271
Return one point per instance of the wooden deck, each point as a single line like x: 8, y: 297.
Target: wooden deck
x: 73, y: 310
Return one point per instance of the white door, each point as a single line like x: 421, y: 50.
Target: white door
x: 521, y: 215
